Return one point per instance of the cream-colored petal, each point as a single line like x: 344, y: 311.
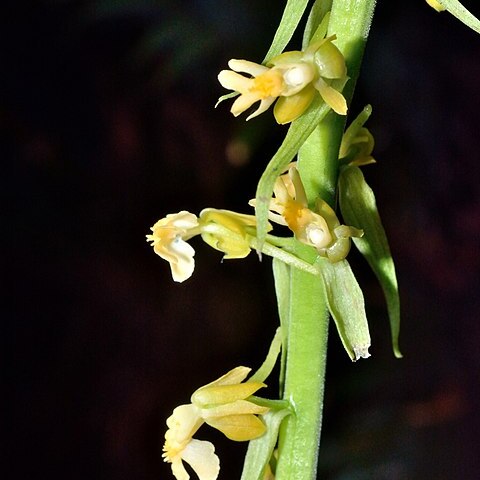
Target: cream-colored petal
x: 264, y: 105
x: 280, y: 190
x: 294, y: 176
x: 200, y: 455
x: 243, y: 102
x: 239, y: 407
x: 246, y: 66
x: 238, y: 427
x: 183, y: 266
x: 332, y: 97
x: 182, y: 424
x: 277, y: 218
x: 234, y: 81
x: 178, y: 470
x: 183, y: 219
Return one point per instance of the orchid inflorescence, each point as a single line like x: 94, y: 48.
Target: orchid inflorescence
x: 225, y: 404
x: 303, y: 85
x: 318, y: 244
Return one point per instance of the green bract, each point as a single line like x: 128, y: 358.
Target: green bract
x: 459, y: 11
x: 347, y: 307
x: 260, y: 450
x: 359, y: 208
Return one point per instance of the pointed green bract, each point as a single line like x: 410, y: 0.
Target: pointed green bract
x: 267, y: 366
x: 346, y: 306
x: 260, y: 450
x: 459, y: 11
x: 359, y: 208
x: 290, y: 19
x: 281, y: 275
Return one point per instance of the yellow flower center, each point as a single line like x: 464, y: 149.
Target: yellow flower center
x: 268, y: 84
x: 293, y: 215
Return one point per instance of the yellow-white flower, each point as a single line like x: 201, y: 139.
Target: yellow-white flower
x: 292, y: 77
x: 221, y: 404
x: 180, y: 446
x: 289, y: 207
x: 169, y: 242
x: 266, y: 84
x: 226, y: 231
x: 320, y: 228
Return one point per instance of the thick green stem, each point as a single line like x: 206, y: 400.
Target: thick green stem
x: 308, y: 316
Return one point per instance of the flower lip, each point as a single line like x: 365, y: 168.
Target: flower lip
x: 168, y: 241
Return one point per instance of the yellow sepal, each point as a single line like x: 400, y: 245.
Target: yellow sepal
x: 222, y: 394
x: 238, y: 427
x: 288, y: 109
x: 239, y: 407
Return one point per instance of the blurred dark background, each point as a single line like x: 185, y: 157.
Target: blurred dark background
x: 107, y: 124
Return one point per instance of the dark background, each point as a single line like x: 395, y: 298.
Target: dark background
x: 107, y: 124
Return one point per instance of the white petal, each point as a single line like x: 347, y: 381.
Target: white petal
x: 184, y: 264
x: 179, y: 471
x: 234, y: 81
x: 201, y: 457
x: 243, y: 102
x: 264, y: 105
x: 245, y: 66
x: 183, y: 423
x: 183, y: 219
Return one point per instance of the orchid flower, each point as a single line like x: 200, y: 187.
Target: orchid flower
x: 319, y: 228
x: 223, y: 404
x: 292, y: 78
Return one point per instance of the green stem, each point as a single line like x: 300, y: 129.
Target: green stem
x: 308, y: 316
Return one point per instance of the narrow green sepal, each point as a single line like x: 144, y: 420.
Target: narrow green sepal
x: 346, y: 306
x: 359, y: 208
x: 226, y: 97
x: 260, y: 450
x: 460, y: 12
x: 267, y: 366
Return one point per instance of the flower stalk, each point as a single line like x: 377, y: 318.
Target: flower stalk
x: 308, y: 314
